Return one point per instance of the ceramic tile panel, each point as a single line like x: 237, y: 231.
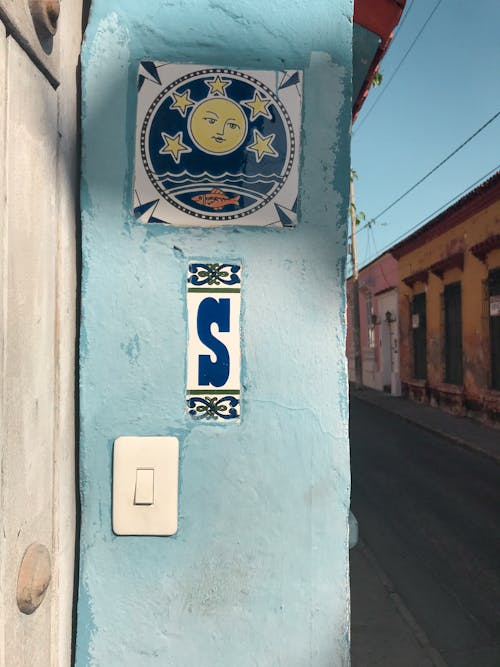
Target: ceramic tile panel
x: 217, y: 146
x: 214, y: 341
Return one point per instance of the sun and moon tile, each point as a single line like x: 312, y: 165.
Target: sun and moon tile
x: 217, y: 146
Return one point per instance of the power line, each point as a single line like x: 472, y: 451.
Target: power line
x: 384, y: 88
x: 442, y: 208
x: 429, y: 173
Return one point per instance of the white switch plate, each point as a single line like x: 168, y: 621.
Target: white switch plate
x: 160, y: 454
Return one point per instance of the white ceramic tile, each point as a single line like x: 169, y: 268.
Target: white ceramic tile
x: 217, y: 146
x: 214, y: 341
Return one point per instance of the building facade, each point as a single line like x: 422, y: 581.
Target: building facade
x: 378, y: 304
x: 449, y: 307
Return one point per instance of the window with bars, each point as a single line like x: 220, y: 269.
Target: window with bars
x: 494, y: 318
x: 370, y: 325
x: 419, y: 329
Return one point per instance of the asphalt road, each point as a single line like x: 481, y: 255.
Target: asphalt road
x: 429, y: 511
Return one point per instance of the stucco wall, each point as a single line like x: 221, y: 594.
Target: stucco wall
x: 379, y: 275
x: 258, y: 571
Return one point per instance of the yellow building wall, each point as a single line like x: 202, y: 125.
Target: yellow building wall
x: 475, y: 316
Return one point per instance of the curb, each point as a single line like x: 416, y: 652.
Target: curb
x: 492, y: 456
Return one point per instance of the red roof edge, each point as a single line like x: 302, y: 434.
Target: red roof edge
x: 380, y: 17
x: 487, y: 193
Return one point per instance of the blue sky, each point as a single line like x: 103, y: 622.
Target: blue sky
x: 446, y: 89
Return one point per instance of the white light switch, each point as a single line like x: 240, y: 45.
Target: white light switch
x: 145, y: 485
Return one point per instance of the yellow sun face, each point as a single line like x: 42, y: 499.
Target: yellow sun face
x: 218, y: 126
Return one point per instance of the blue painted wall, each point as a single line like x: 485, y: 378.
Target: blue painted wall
x: 257, y: 574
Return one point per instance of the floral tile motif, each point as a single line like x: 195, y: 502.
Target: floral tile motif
x: 217, y: 146
x: 214, y: 346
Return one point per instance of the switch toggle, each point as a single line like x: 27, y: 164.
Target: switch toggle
x: 144, y: 486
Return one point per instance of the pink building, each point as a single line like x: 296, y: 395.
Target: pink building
x: 378, y: 306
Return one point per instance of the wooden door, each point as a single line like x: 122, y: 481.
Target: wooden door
x: 453, y: 333
x: 386, y: 304
x: 38, y: 222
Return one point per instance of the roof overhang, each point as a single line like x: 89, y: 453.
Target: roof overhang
x: 374, y: 21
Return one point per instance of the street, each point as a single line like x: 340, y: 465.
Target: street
x: 428, y: 511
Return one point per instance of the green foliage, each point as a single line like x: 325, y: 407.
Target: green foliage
x: 377, y: 79
x: 359, y: 216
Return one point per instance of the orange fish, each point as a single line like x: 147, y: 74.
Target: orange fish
x: 216, y: 199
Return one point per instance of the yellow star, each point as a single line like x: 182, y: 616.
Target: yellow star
x: 174, y: 146
x: 262, y: 146
x: 182, y: 102
x: 258, y: 106
x: 217, y: 85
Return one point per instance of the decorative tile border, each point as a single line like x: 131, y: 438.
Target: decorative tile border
x: 217, y: 146
x: 214, y: 346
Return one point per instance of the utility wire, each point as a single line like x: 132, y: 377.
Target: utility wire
x: 429, y: 173
x: 386, y: 85
x: 442, y: 208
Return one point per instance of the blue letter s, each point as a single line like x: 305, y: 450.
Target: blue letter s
x: 210, y: 311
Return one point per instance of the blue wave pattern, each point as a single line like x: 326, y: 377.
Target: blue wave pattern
x: 188, y: 177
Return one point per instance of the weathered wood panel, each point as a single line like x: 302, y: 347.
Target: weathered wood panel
x: 29, y: 366
x: 66, y: 285
x: 38, y: 217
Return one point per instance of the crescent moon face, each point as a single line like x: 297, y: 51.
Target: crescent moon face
x: 218, y: 126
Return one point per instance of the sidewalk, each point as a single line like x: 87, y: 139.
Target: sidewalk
x: 460, y: 430
x: 383, y: 631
